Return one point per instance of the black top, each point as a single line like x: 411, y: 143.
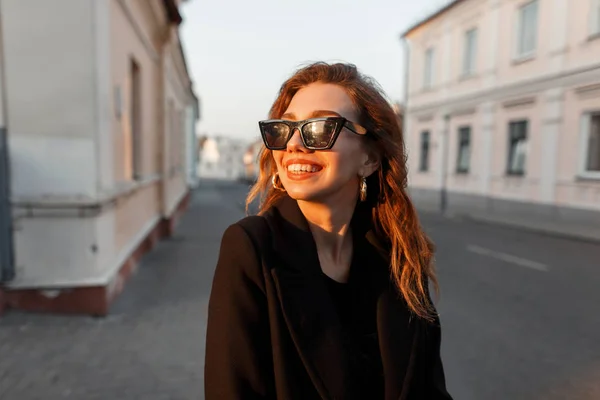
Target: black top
x: 274, y: 332
x: 357, y: 311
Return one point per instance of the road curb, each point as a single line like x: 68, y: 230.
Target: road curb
x: 531, y: 228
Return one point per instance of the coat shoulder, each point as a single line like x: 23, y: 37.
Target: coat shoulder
x: 252, y: 228
x: 238, y: 253
x: 255, y: 226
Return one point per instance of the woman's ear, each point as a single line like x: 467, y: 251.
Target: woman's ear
x: 371, y: 163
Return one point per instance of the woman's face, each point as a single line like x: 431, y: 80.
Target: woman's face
x: 333, y: 173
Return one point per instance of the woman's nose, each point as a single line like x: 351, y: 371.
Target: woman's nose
x: 295, y: 142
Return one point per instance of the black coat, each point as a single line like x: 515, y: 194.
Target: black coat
x: 273, y: 332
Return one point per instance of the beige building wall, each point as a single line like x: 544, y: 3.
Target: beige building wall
x: 50, y: 96
x: 132, y: 30
x: 98, y: 145
x: 552, y: 88
x: 56, y: 126
x: 135, y: 40
x: 176, y: 100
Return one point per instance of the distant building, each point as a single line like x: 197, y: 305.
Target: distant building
x: 222, y: 158
x: 192, y: 144
x: 251, y: 164
x: 101, y: 113
x: 503, y: 108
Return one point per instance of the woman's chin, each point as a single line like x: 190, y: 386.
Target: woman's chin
x: 302, y: 193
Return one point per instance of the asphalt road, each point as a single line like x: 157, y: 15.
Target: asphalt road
x: 519, y: 314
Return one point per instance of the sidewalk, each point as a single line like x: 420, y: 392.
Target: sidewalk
x: 587, y: 233
x: 151, y: 346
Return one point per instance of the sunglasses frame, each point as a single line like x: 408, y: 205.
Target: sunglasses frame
x: 341, y: 123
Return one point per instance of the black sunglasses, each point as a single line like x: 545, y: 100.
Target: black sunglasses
x: 316, y: 133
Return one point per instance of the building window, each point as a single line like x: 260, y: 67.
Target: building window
x: 595, y: 18
x: 135, y: 115
x: 171, y: 137
x: 176, y: 138
x: 428, y: 72
x: 180, y: 141
x: 425, y: 144
x: 527, y: 29
x: 517, y: 148
x: 591, y: 144
x: 464, y: 150
x: 470, y: 52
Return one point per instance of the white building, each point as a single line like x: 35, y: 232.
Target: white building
x: 101, y: 110
x: 503, y: 110
x: 222, y: 158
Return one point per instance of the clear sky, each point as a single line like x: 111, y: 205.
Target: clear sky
x: 239, y: 52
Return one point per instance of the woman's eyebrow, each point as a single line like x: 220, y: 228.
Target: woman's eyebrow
x: 314, y: 114
x: 288, y: 116
x: 323, y: 113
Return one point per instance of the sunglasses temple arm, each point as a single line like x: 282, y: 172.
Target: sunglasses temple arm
x: 352, y: 128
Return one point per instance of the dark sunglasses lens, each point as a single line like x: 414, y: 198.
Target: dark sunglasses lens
x: 318, y: 134
x: 276, y: 134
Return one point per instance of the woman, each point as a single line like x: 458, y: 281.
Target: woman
x: 324, y: 295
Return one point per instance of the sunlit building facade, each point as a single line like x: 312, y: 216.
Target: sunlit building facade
x: 503, y: 109
x: 101, y: 112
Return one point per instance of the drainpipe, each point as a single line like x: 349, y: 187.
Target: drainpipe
x: 7, y: 266
x: 444, y: 167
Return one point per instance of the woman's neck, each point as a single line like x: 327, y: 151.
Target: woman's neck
x: 330, y: 227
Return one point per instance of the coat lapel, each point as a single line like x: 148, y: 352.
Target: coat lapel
x: 310, y: 314
x: 397, y: 331
x: 397, y: 328
x: 307, y: 308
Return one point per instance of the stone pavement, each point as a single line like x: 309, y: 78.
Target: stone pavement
x: 151, y: 346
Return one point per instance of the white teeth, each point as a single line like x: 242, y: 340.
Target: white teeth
x: 302, y: 168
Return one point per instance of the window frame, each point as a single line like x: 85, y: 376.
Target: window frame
x: 510, y: 157
x: 428, y: 70
x: 424, y: 158
x: 585, y: 131
x: 469, y: 66
x: 595, y: 19
x: 459, y: 169
x: 135, y: 116
x: 520, y: 53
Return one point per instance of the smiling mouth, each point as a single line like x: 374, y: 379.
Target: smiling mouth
x: 299, y: 169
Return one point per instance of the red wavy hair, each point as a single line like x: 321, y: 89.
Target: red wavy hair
x: 395, y: 220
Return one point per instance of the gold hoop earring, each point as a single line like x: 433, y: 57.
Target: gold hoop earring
x: 274, y: 182
x: 363, y: 188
